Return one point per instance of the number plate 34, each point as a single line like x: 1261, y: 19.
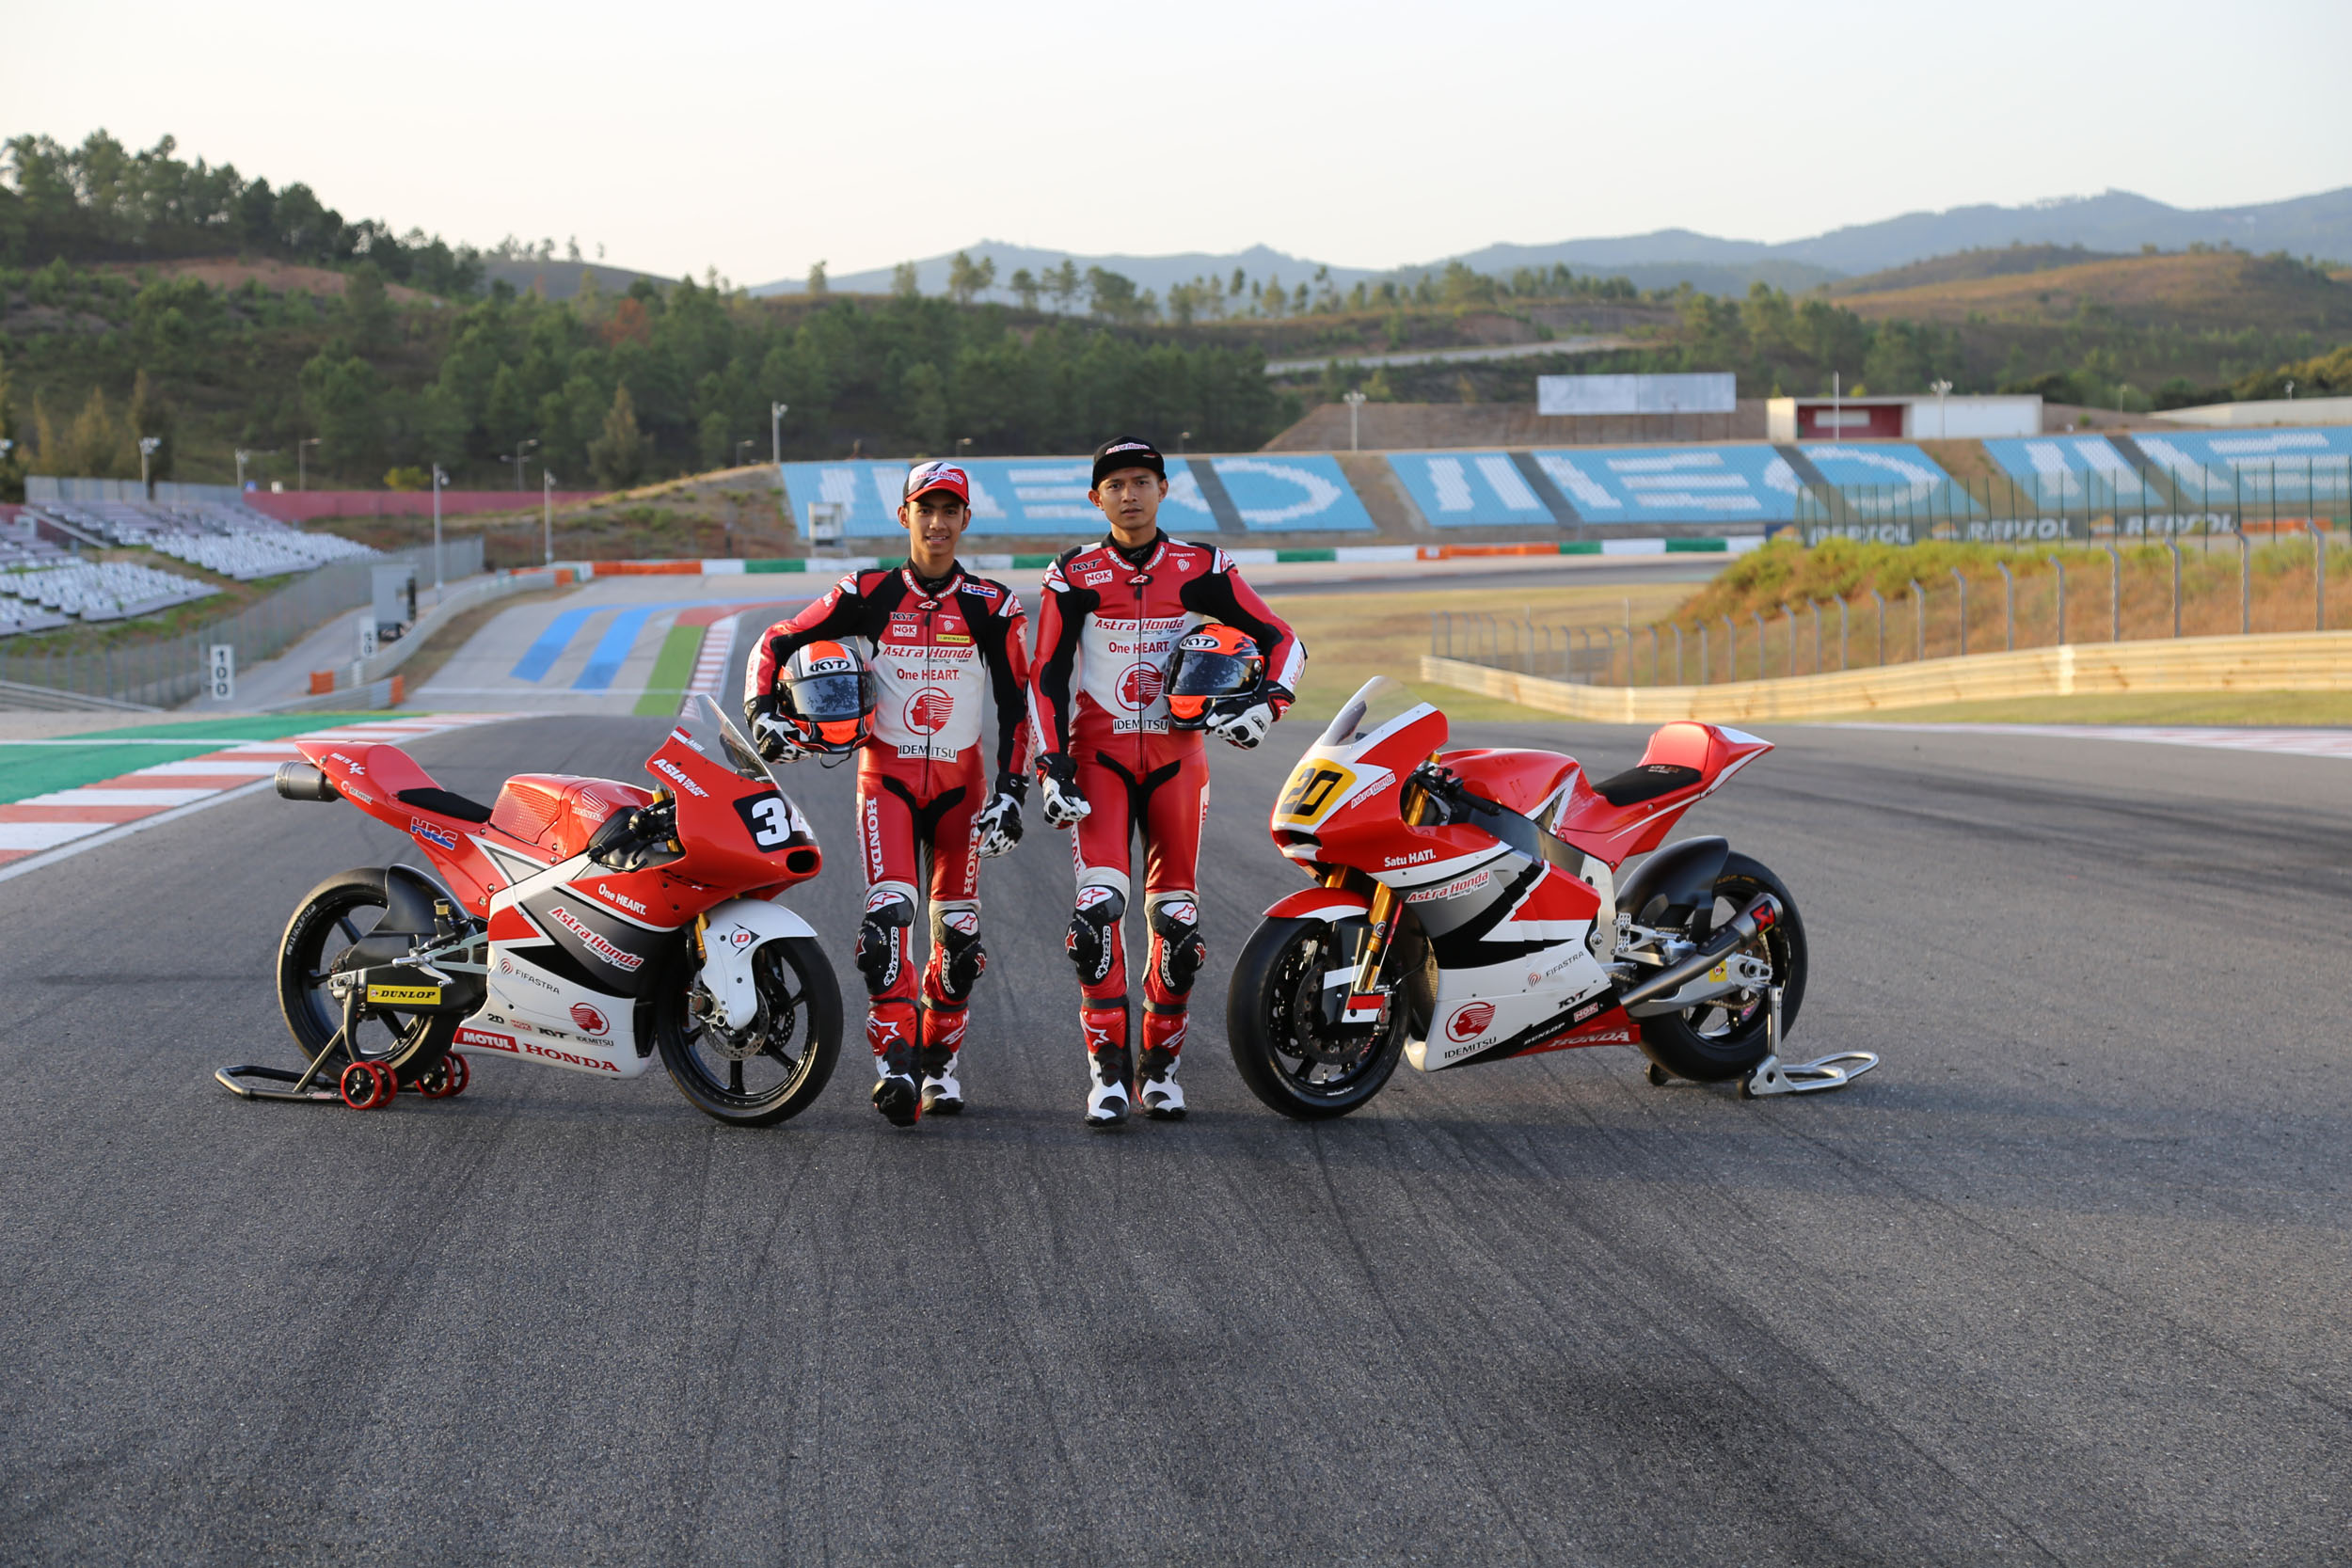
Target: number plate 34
x: 1316, y: 784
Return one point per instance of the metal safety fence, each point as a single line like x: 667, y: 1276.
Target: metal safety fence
x: 2126, y: 502
x: 167, y: 672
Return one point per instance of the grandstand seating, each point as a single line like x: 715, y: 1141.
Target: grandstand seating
x: 1887, y: 477
x: 37, y: 598
x: 2255, y: 465
x: 1044, y: 496
x: 231, y: 539
x: 2062, y: 469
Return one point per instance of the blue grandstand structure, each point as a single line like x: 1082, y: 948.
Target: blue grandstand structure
x: 1044, y: 496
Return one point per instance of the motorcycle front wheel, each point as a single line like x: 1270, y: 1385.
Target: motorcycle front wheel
x: 318, y: 940
x: 774, y: 1067
x: 1284, y: 1053
x: 1730, y: 1034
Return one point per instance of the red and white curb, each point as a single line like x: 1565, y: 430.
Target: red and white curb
x: 710, y: 664
x: 2295, y: 744
x: 44, y: 828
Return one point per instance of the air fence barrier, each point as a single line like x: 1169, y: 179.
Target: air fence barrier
x: 170, y: 671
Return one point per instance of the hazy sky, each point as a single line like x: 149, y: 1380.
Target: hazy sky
x: 761, y: 137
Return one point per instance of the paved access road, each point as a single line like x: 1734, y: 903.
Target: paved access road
x: 2064, y: 1281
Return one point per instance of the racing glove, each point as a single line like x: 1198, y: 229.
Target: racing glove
x: 1246, y: 728
x: 774, y: 740
x: 1065, y: 807
x: 1000, y: 819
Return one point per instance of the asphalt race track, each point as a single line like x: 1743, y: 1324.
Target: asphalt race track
x: 2063, y: 1282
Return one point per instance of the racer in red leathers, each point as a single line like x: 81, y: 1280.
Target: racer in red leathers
x: 943, y: 641
x: 1112, y: 766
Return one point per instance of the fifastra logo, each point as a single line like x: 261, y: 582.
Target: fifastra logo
x: 618, y: 958
x: 420, y: 827
x: 664, y: 765
x: 1469, y: 1020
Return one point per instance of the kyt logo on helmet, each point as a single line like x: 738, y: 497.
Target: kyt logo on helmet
x: 825, y: 696
x: 1215, y: 673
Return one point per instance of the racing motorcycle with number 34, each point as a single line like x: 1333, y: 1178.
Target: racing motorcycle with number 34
x: 577, y: 923
x: 1467, y: 909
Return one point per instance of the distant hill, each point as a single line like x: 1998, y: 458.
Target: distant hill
x: 1968, y: 265
x: 1155, y: 273
x: 2220, y: 291
x: 553, y: 279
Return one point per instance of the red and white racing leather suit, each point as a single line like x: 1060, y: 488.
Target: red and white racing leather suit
x: 940, y: 649
x: 1109, y: 621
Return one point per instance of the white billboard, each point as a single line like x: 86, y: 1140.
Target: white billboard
x: 1710, y: 392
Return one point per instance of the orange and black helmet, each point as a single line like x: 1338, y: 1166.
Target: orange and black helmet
x: 1215, y: 672
x: 826, y: 694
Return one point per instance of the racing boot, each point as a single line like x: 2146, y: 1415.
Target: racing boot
x: 942, y: 1044
x: 890, y: 1030
x: 1156, y: 1084
x: 1108, y: 1066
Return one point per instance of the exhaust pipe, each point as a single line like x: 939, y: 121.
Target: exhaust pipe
x: 302, y: 781
x: 1761, y: 915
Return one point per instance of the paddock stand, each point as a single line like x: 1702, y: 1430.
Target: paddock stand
x: 1771, y: 1076
x: 361, y: 1085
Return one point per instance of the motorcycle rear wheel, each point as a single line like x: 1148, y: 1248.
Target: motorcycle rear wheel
x: 329, y: 921
x: 1730, y: 1035
x: 1274, y: 1036
x: 801, y: 1007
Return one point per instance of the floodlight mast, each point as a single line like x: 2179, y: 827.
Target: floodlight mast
x: 775, y: 431
x: 546, y: 501
x: 1943, y: 421
x: 302, y: 472
x: 440, y: 479
x: 1355, y: 401
x: 148, y: 446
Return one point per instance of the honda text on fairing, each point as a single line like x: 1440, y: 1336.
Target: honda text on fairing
x: 1467, y: 910
x: 576, y: 923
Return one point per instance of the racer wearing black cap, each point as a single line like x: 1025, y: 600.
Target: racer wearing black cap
x: 943, y: 641
x: 1114, y: 766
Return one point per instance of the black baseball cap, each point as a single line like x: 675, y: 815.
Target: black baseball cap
x: 1126, y: 452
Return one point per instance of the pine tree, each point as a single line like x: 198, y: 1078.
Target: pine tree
x: 619, y: 455
x: 150, y: 416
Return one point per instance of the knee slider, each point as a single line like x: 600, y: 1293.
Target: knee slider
x: 882, y: 941
x: 1093, y: 932
x: 1176, y: 921
x: 956, y: 932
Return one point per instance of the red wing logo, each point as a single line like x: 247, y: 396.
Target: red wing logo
x: 1470, y: 1021
x: 1140, y: 687
x: 927, y: 711
x: 590, y: 1020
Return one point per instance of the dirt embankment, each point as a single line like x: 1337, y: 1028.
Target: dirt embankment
x: 278, y: 277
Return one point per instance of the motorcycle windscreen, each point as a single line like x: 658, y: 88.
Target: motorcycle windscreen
x: 738, y: 828
x: 1380, y: 707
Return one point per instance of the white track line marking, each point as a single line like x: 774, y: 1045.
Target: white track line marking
x: 98, y: 795
x: 18, y: 868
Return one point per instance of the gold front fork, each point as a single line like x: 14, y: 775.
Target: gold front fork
x: 1384, y: 901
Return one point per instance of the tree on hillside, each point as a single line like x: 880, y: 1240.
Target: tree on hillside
x: 1112, y: 296
x: 904, y: 281
x: 966, y: 278
x: 97, y: 446
x: 816, y: 282
x: 1026, y: 287
x: 367, y: 311
x: 151, y: 418
x: 13, y: 453
x: 1063, y: 284
x: 619, y: 455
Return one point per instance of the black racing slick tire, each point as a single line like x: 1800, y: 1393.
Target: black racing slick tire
x: 1283, y: 1055
x: 776, y: 1067
x: 329, y: 921
x: 1729, y: 1036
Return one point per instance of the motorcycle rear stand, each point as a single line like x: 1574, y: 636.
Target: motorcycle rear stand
x: 1771, y: 1076
x: 306, y: 1087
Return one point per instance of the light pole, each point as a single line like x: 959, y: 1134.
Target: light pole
x: 747, y: 441
x: 440, y: 479
x: 302, y: 471
x: 242, y: 454
x: 1181, y: 436
x: 546, y: 501
x: 1943, y: 426
x: 1355, y: 401
x: 775, y: 431
x: 521, y: 448
x: 148, y: 446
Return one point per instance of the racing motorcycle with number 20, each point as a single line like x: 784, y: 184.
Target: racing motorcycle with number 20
x: 577, y: 923
x: 1467, y: 910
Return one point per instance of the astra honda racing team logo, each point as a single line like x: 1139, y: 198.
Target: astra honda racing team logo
x: 1140, y: 687
x: 1469, y: 1020
x: 619, y: 957
x: 928, y: 710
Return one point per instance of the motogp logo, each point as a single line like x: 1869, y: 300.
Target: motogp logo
x: 1470, y: 1021
x: 1140, y: 687
x: 590, y: 1020
x: 927, y: 711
